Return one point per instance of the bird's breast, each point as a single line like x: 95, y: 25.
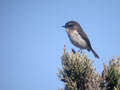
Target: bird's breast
x: 77, y: 40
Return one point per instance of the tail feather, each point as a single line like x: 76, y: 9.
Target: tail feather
x: 95, y: 54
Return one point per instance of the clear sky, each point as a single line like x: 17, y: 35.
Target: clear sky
x: 32, y: 39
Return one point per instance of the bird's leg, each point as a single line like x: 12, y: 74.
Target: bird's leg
x: 80, y: 50
x: 73, y: 51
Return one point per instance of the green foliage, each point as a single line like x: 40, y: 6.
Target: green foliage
x: 111, y: 75
x: 78, y: 73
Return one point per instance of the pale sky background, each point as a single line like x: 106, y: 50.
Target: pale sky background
x: 32, y: 39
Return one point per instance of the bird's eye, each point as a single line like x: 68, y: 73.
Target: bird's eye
x: 70, y: 25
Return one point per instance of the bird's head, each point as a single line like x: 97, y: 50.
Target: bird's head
x: 71, y: 25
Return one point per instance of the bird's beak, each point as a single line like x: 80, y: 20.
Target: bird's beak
x: 63, y: 26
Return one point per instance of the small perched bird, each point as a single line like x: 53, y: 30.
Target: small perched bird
x: 78, y: 37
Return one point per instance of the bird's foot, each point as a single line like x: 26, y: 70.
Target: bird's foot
x: 73, y: 51
x: 80, y: 51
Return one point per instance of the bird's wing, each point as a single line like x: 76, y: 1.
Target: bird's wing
x: 84, y: 36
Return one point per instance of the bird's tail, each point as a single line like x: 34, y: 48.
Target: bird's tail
x: 95, y: 54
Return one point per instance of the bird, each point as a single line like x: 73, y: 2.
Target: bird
x: 78, y: 37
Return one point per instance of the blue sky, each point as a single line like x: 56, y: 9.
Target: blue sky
x: 32, y: 38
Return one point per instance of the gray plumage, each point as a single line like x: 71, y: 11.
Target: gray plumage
x: 78, y: 37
